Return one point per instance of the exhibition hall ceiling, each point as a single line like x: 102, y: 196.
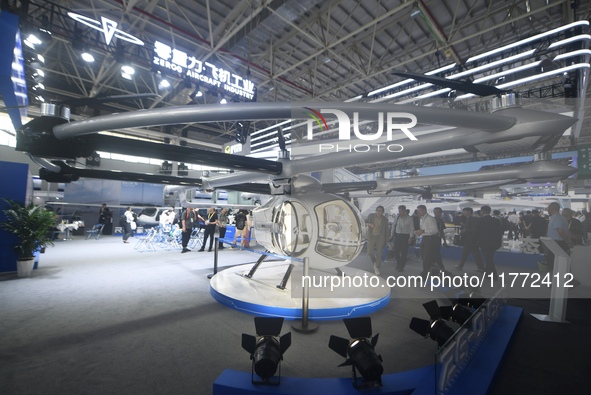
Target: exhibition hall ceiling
x: 281, y: 50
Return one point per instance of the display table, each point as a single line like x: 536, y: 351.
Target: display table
x: 68, y: 228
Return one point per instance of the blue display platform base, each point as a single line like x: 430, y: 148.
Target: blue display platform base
x: 260, y: 295
x: 476, y: 379
x: 395, y: 384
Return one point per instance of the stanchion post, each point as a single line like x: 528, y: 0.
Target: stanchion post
x: 559, y: 292
x: 215, y: 258
x: 305, y: 326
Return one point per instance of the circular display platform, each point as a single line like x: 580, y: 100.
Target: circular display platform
x: 355, y: 293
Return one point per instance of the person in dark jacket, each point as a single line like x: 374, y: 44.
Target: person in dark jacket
x: 210, y: 224
x: 538, y: 228
x: 489, y: 238
x: 468, y: 237
x: 188, y: 221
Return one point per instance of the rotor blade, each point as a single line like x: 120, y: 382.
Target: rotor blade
x: 412, y: 191
x: 68, y: 174
x: 36, y: 139
x: 463, y: 86
x: 340, y: 187
x: 183, y: 154
x: 538, y: 169
x: 276, y: 110
x: 358, y: 327
x: 260, y: 189
x: 473, y: 186
x: 532, y: 123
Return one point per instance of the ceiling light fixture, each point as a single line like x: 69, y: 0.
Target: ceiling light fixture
x: 528, y: 40
x: 128, y: 69
x: 87, y: 56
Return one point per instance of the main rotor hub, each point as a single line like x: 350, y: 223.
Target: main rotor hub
x: 506, y: 100
x: 55, y: 110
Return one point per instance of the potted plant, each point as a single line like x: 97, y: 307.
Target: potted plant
x: 32, y: 225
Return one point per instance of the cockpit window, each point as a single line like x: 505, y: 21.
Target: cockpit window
x: 292, y: 235
x: 339, y: 231
x: 149, y: 211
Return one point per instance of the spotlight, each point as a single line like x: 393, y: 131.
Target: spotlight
x: 196, y: 93
x: 164, y: 84
x: 223, y: 101
x: 87, y: 56
x: 33, y: 39
x: 457, y: 313
x: 166, y: 167
x: 93, y: 160
x: 80, y: 47
x: 128, y: 69
x: 266, y: 349
x: 472, y: 299
x: 38, y: 77
x: 36, y: 65
x: 242, y: 131
x: 437, y: 329
x: 360, y: 352
x: 183, y: 170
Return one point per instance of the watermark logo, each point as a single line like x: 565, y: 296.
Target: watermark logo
x: 319, y: 120
x: 395, y: 122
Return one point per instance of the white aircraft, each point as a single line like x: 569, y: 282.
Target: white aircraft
x: 149, y: 216
x: 305, y: 218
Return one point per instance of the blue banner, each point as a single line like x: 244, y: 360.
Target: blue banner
x: 13, y: 85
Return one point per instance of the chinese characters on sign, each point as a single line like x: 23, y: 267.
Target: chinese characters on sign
x: 180, y: 62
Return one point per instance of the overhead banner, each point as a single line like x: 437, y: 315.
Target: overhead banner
x: 180, y: 62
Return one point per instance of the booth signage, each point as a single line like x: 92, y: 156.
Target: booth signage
x: 178, y: 61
